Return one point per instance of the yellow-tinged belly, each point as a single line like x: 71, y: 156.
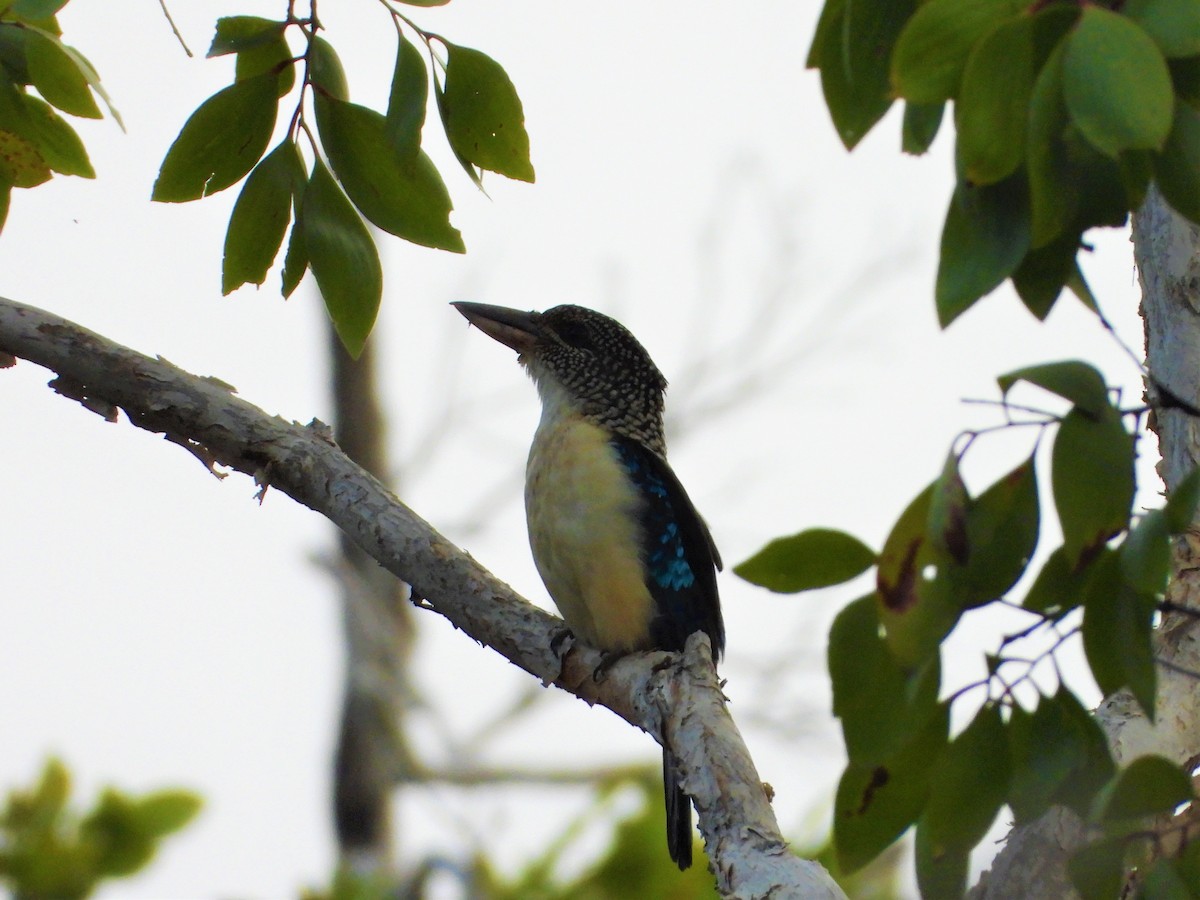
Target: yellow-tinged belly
x: 583, y: 530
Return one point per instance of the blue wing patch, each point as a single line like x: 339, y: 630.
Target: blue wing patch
x: 677, y: 552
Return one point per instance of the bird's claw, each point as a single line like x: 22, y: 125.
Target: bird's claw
x: 560, y: 637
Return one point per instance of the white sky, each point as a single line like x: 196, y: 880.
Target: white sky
x: 161, y: 628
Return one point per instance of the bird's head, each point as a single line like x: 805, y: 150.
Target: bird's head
x: 583, y: 359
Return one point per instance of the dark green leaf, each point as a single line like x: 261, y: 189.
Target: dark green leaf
x: 274, y: 57
x: 220, y: 142
x: 55, y: 143
x: 851, y: 48
x: 325, y: 70
x: 343, y: 259
x: 260, y: 217
x: 5, y: 198
x: 941, y: 871
x: 812, y: 559
x: 1173, y: 24
x: 93, y: 80
x: 931, y: 52
x: 295, y: 260
x: 1148, y: 786
x: 1046, y: 748
x: 1181, y: 505
x: 1053, y: 193
x: 1146, y: 554
x: 1185, y: 75
x: 948, y: 512
x: 57, y: 76
x: 1116, y: 634
x: 1177, y: 168
x: 1079, y: 287
x: 405, y: 197
x: 12, y: 53
x: 882, y: 713
x: 983, y: 241
x: 20, y: 163
x: 1044, y: 272
x: 1072, y: 380
x: 1079, y: 790
x: 237, y: 33
x: 1059, y: 586
x: 875, y: 803
x: 916, y: 603
x: 407, y: 100
x: 1116, y: 84
x: 484, y: 120
x: 993, y: 103
x: 1093, y: 481
x: 1165, y: 881
x: 968, y: 785
x: 1002, y: 529
x: 921, y: 124
x: 1098, y: 870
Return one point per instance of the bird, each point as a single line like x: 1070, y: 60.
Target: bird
x: 623, y: 553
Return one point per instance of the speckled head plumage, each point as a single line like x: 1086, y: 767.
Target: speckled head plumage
x: 587, y: 359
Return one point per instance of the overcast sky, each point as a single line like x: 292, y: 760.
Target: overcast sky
x: 163, y: 628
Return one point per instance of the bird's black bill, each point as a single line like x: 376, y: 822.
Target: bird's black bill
x: 513, y: 328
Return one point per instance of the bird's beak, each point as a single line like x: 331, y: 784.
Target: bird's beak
x: 511, y: 327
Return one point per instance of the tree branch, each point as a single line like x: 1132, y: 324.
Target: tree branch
x: 658, y: 692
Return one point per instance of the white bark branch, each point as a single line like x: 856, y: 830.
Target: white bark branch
x: 683, y: 699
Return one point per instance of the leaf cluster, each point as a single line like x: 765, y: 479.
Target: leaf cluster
x: 1064, y: 111
x: 46, y: 851
x: 365, y: 164
x: 41, y: 76
x: 950, y: 552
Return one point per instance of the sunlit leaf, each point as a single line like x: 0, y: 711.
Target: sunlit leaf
x: 57, y: 76
x: 993, y: 102
x: 484, y: 119
x: 930, y: 54
x: 54, y: 142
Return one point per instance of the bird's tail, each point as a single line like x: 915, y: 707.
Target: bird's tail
x: 679, y: 815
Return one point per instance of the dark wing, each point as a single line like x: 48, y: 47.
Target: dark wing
x: 678, y: 553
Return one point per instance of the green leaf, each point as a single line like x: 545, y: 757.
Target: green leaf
x: 57, y: 76
x: 325, y: 70
x: 1177, y: 168
x: 1072, y: 380
x: 1097, y: 768
x: 1098, y: 870
x: 484, y: 120
x: 921, y: 124
x: 5, y: 197
x: 343, y: 259
x: 915, y: 599
x: 20, y: 163
x: 1185, y: 75
x: 1181, y: 505
x: 1146, y: 554
x: 12, y: 53
x: 112, y: 828
x: 1002, y: 530
x: 875, y: 803
x: 1093, y: 481
x: 851, y: 48
x: 407, y: 101
x: 274, y: 57
x: 1044, y: 272
x: 1116, y: 634
x: 941, y: 872
x: 1059, y: 586
x: 968, y: 785
x: 425, y: 3
x: 931, y: 52
x: 55, y: 143
x: 220, y: 142
x: 237, y: 33
x: 1053, y: 194
x: 405, y: 197
x: 1173, y: 24
x: 1045, y: 748
x: 295, y: 260
x: 37, y: 9
x: 1148, y: 786
x: 1165, y: 881
x: 806, y: 561
x: 882, y: 713
x: 993, y: 103
x: 260, y: 217
x: 1116, y: 84
x: 948, y: 512
x: 983, y: 241
x: 162, y: 812
x: 93, y: 80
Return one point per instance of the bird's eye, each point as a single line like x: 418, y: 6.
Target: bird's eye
x: 575, y: 334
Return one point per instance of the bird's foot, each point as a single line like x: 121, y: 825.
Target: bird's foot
x: 608, y: 659
x: 561, y: 637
